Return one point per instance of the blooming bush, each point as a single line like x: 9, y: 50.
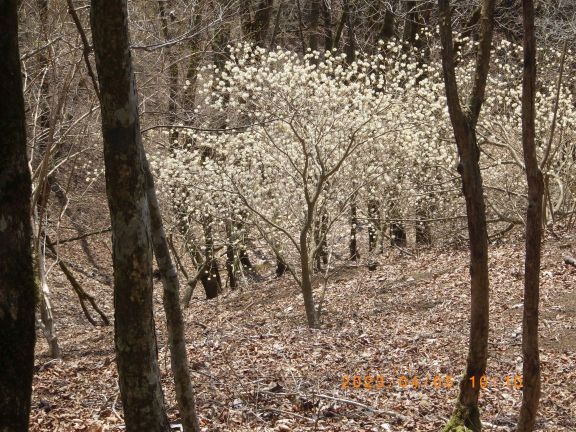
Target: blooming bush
x: 299, y: 139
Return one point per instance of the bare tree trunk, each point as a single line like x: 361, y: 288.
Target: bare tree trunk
x: 374, y: 224
x: 466, y: 413
x: 281, y: 267
x: 320, y: 245
x: 136, y: 350
x: 411, y: 22
x: 230, y: 257
x: 353, y: 243
x: 172, y: 74
x: 350, y: 47
x: 313, y: 22
x: 44, y: 143
x: 256, y: 28
x: 17, y: 287
x: 276, y: 25
x: 46, y: 320
x: 83, y: 296
x: 326, y: 8
x: 210, y: 276
x: 387, y: 30
x: 531, y: 367
x: 175, y: 322
x: 193, y: 65
x: 306, y: 283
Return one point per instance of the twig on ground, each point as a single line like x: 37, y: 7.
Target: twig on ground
x: 361, y: 405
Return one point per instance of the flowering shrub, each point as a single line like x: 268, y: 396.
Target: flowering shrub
x: 301, y: 138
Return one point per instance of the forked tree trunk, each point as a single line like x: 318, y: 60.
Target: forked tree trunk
x: 531, y: 367
x: 466, y: 413
x: 17, y: 287
x: 135, y: 340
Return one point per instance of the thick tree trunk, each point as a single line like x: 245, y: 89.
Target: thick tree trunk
x: 397, y: 234
x: 136, y: 351
x: 17, y: 287
x: 531, y: 367
x: 467, y: 407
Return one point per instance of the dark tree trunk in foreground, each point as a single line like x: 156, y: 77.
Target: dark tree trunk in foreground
x: 531, y: 368
x: 136, y: 352
x: 464, y: 123
x: 17, y: 287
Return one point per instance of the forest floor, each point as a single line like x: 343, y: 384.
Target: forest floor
x: 257, y: 367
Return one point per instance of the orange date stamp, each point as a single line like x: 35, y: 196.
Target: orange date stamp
x: 383, y: 382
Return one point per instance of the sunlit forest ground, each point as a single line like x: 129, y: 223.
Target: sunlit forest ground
x: 257, y: 367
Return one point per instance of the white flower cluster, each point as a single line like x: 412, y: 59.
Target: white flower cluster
x: 301, y: 137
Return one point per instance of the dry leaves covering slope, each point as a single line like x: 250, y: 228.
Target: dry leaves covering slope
x: 258, y: 368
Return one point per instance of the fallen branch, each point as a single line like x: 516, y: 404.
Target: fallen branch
x: 289, y: 413
x: 81, y: 236
x: 82, y: 295
x: 361, y: 405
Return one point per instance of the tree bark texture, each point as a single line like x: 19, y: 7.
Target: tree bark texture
x: 17, y: 286
x: 136, y: 351
x: 531, y: 366
x: 464, y: 122
x: 174, y: 319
